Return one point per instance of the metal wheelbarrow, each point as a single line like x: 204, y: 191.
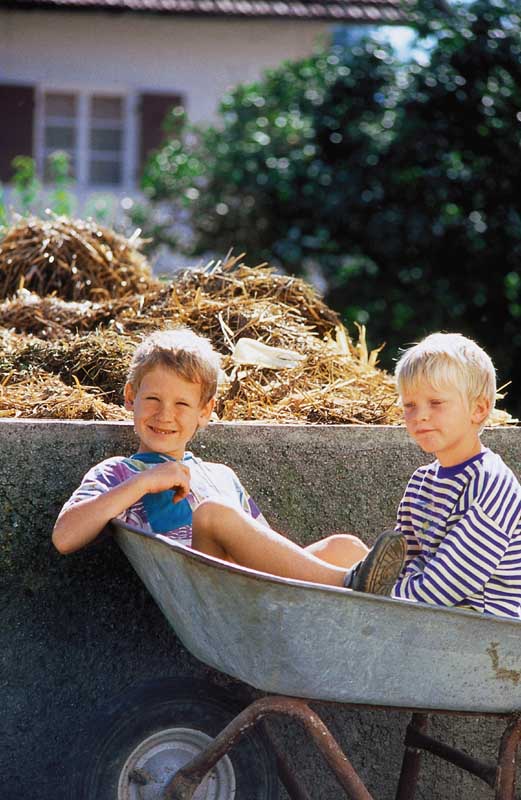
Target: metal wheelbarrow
x: 297, y: 642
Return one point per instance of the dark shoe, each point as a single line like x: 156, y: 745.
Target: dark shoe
x: 380, y: 569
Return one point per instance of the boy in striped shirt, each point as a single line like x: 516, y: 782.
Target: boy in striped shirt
x: 461, y: 514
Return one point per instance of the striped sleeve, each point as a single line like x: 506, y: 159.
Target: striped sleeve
x: 463, y: 564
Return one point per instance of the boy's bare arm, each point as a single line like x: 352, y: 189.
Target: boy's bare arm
x: 81, y: 523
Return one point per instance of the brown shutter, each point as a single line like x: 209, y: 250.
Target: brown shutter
x: 153, y: 110
x: 16, y: 126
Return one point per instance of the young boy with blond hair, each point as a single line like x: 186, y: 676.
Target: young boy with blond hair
x: 461, y: 514
x: 165, y: 489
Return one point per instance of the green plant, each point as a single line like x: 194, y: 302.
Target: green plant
x: 171, y: 182
x: 61, y: 199
x: 27, y: 187
x: 445, y: 228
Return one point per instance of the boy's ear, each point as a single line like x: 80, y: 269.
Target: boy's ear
x: 205, y: 413
x: 481, y: 410
x: 128, y: 394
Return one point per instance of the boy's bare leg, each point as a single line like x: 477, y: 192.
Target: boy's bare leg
x: 222, y: 531
x: 341, y: 549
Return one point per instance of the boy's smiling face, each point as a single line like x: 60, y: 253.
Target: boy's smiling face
x: 167, y: 411
x: 444, y: 422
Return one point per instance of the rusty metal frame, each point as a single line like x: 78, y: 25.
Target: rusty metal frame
x: 500, y: 776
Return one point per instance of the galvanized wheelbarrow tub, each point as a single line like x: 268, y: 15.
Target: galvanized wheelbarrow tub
x: 305, y: 640
x: 293, y: 639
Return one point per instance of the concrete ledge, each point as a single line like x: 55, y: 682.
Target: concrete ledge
x: 77, y: 630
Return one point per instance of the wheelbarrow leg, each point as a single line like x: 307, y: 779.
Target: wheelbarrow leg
x: 291, y: 782
x: 411, y: 759
x: 187, y: 779
x: 506, y: 766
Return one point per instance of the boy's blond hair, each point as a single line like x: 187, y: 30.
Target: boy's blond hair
x: 449, y: 358
x: 190, y: 356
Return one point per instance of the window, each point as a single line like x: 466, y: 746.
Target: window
x: 93, y: 130
x: 106, y: 141
x: 108, y: 136
x: 60, y: 122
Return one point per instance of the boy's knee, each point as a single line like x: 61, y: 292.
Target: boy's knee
x: 207, y: 512
x: 335, y: 538
x: 341, y: 539
x: 342, y: 549
x: 203, y: 513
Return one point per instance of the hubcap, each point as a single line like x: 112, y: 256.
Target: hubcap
x: 154, y: 762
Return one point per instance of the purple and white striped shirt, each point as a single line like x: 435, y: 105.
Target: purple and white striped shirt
x: 463, y: 528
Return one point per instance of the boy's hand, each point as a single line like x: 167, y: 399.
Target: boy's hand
x: 169, y: 475
x: 79, y: 524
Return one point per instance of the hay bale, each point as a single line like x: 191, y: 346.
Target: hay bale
x: 74, y: 259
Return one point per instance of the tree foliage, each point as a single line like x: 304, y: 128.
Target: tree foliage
x: 400, y: 181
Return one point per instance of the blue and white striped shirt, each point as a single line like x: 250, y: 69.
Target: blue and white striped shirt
x: 463, y: 528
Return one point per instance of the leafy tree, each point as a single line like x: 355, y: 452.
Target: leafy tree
x: 399, y: 181
x: 445, y: 231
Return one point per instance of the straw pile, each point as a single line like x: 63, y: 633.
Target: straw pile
x: 53, y: 318
x: 98, y: 359
x: 69, y: 357
x: 45, y: 395
x: 254, y: 302
x: 334, y: 385
x: 74, y: 259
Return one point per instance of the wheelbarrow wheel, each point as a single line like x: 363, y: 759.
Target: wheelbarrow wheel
x: 142, y: 737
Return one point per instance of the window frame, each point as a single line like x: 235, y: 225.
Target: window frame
x: 83, y: 150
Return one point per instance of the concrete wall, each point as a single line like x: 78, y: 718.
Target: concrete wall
x: 76, y: 630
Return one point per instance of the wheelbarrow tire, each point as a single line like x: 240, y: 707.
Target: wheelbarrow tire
x: 155, y: 709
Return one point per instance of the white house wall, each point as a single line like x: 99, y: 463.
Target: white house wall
x: 199, y: 58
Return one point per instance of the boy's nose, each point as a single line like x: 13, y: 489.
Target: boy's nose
x: 166, y: 412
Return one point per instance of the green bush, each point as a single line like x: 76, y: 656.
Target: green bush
x: 445, y: 227
x: 398, y: 181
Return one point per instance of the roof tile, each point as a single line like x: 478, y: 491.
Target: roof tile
x: 374, y: 11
